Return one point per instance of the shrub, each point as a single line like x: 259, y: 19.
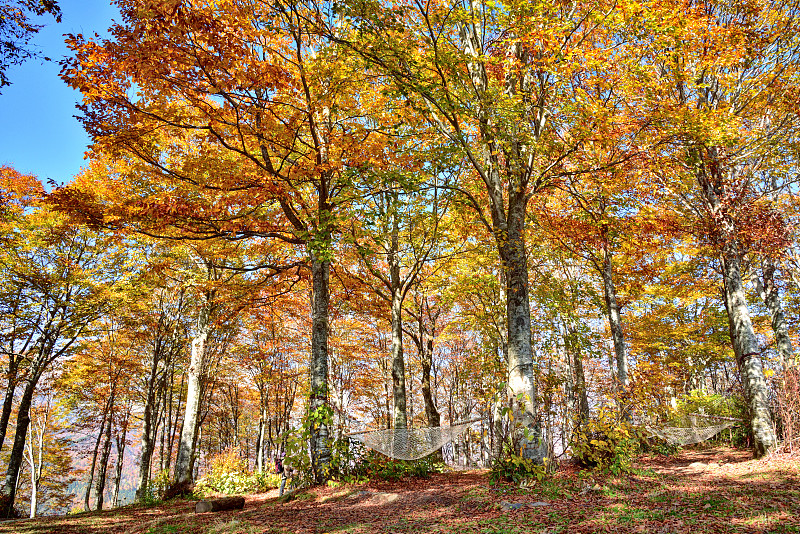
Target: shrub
x: 229, y: 475
x: 606, y: 442
x: 656, y: 445
x: 715, y: 404
x: 156, y: 488
x: 709, y: 404
x: 348, y: 460
x: 517, y: 469
x: 373, y: 465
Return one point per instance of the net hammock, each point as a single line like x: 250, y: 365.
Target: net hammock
x: 687, y: 430
x: 410, y: 443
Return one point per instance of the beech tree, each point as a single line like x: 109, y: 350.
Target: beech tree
x: 252, y: 85
x: 506, y: 84
x: 728, y: 125
x: 63, y: 275
x: 403, y: 234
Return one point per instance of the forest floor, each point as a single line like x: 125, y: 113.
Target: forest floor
x: 697, y: 491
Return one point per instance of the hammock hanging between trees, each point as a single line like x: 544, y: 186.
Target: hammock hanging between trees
x: 410, y: 443
x: 686, y: 431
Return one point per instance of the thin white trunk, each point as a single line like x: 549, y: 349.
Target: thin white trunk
x: 183, y: 463
x: 614, y: 319
x: 400, y: 415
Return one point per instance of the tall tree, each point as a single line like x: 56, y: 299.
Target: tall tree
x: 64, y: 274
x: 402, y: 235
x: 275, y: 116
x: 506, y: 84
x: 731, y: 108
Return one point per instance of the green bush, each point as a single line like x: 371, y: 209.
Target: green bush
x: 710, y: 404
x: 229, y: 475
x: 517, y: 469
x: 656, y: 445
x: 373, y: 465
x: 715, y: 404
x: 606, y: 442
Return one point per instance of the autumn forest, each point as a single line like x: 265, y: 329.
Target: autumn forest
x: 563, y: 221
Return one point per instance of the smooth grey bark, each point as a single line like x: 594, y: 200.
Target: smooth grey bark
x: 576, y: 361
x: 423, y: 339
x: 394, y: 287
x: 186, y: 444
x: 100, y: 486
x: 614, y: 318
x: 522, y: 387
x: 748, y: 355
x: 432, y: 415
x: 260, y: 442
x: 400, y: 415
x: 120, y: 442
x: 35, y: 461
x: 162, y: 353
x: 8, y: 401
x: 143, y: 478
x: 176, y: 430
x: 87, y: 494
x: 18, y: 448
x: 508, y: 212
x: 768, y: 291
x: 712, y: 182
x: 426, y: 358
x: 320, y: 300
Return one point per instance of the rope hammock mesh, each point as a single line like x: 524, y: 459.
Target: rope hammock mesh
x: 686, y: 431
x: 416, y: 443
x: 410, y: 443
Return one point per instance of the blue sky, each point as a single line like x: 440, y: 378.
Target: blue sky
x: 38, y: 133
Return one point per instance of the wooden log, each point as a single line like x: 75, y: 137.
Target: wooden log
x: 218, y: 505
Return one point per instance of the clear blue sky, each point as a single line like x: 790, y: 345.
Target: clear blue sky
x: 38, y: 133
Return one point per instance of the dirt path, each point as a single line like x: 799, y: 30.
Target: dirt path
x: 696, y: 492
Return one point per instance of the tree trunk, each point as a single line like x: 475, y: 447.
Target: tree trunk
x: 167, y: 432
x: 432, y: 415
x: 143, y: 482
x: 183, y: 463
x: 400, y: 415
x: 522, y: 388
x: 574, y: 353
x: 748, y: 355
x: 9, y: 492
x: 121, y: 435
x: 260, y: 446
x: 34, y: 495
x: 426, y: 357
x: 35, y: 461
x: 745, y: 345
x: 177, y: 421
x: 101, y: 475
x: 769, y: 294
x: 614, y: 318
x: 262, y: 432
x: 149, y: 417
x: 87, y: 494
x: 8, y: 402
x: 320, y: 448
